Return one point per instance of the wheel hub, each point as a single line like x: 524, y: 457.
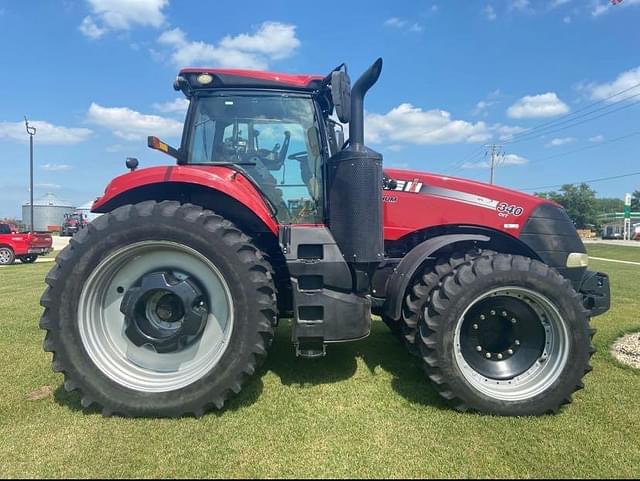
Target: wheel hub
x: 502, y: 337
x: 164, y: 310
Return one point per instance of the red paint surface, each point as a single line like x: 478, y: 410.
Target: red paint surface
x: 411, y: 212
x: 298, y: 81
x: 414, y: 211
x: 21, y: 244
x: 219, y: 178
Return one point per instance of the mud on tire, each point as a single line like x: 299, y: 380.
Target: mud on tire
x: 505, y: 280
x: 215, y: 240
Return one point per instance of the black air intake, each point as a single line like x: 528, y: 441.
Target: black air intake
x: 355, y: 186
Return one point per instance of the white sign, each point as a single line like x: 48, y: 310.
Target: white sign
x: 627, y: 199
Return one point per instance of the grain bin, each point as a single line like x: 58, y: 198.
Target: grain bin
x: 48, y: 211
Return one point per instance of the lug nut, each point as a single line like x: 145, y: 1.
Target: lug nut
x: 482, y: 317
x: 510, y: 351
x: 493, y: 313
x: 499, y: 356
x: 488, y: 355
x: 475, y: 326
x: 504, y: 313
x: 517, y: 343
x: 513, y: 320
x: 479, y: 348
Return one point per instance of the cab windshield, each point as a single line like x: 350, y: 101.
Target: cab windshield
x: 274, y: 138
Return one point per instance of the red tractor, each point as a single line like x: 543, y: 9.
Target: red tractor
x: 167, y: 304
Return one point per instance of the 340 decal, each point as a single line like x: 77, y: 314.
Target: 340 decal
x: 505, y: 209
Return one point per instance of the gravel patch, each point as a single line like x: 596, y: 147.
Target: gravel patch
x: 627, y: 350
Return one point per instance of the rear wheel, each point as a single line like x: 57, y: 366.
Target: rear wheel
x: 506, y: 335
x: 158, y: 309
x: 7, y: 257
x: 30, y: 259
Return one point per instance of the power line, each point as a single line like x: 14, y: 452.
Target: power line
x: 537, y: 135
x: 595, y: 146
x: 591, y: 181
x: 560, y: 120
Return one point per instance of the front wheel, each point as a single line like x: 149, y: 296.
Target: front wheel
x: 158, y: 309
x: 506, y: 335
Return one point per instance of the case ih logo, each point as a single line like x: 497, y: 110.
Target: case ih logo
x: 408, y: 186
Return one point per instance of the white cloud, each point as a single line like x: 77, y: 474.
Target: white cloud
x: 399, y: 23
x: 490, y: 12
x: 408, y: 124
x: 628, y: 80
x: 567, y: 19
x: 122, y: 15
x: 602, y: 8
x: 177, y: 106
x: 596, y: 138
x: 557, y: 142
x: 534, y: 106
x: 90, y: 29
x: 507, y: 159
x: 46, y: 133
x: 131, y: 125
x: 506, y: 132
x: 48, y: 186
x: 521, y: 5
x: 56, y: 167
x: 558, y: 3
x: 271, y: 41
x: 395, y: 22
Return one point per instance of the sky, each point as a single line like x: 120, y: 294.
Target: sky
x: 555, y: 84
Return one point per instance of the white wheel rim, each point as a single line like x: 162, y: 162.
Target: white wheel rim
x: 5, y: 256
x: 102, y: 325
x: 541, y: 375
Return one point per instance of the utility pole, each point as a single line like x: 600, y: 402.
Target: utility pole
x: 494, y: 158
x: 31, y: 131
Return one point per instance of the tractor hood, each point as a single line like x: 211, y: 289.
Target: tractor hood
x: 416, y: 200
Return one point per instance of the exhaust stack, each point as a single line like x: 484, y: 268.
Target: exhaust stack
x: 355, y: 191
x: 359, y: 90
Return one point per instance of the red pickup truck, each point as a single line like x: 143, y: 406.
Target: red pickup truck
x: 23, y: 246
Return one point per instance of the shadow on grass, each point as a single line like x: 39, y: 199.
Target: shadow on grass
x: 379, y: 350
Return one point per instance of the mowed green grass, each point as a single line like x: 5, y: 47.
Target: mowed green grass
x: 364, y: 411
x: 607, y: 251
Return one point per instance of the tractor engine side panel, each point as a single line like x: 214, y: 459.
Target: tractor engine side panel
x: 419, y: 201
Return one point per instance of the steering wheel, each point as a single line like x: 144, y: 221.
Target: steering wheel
x: 299, y: 156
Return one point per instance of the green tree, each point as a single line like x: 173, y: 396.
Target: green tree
x: 609, y: 205
x: 579, y: 201
x: 635, y: 200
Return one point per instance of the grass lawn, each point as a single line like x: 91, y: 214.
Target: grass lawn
x: 623, y: 253
x: 365, y: 410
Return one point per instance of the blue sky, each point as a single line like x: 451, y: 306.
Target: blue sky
x: 95, y: 77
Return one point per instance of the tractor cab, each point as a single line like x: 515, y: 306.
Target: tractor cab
x: 275, y: 127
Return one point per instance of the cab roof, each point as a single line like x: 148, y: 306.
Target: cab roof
x: 206, y: 78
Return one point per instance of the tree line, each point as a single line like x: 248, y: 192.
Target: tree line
x: 583, y: 207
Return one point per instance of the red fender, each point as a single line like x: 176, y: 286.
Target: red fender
x: 223, y: 179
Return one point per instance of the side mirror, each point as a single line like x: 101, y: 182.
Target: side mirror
x: 341, y: 94
x: 156, y: 144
